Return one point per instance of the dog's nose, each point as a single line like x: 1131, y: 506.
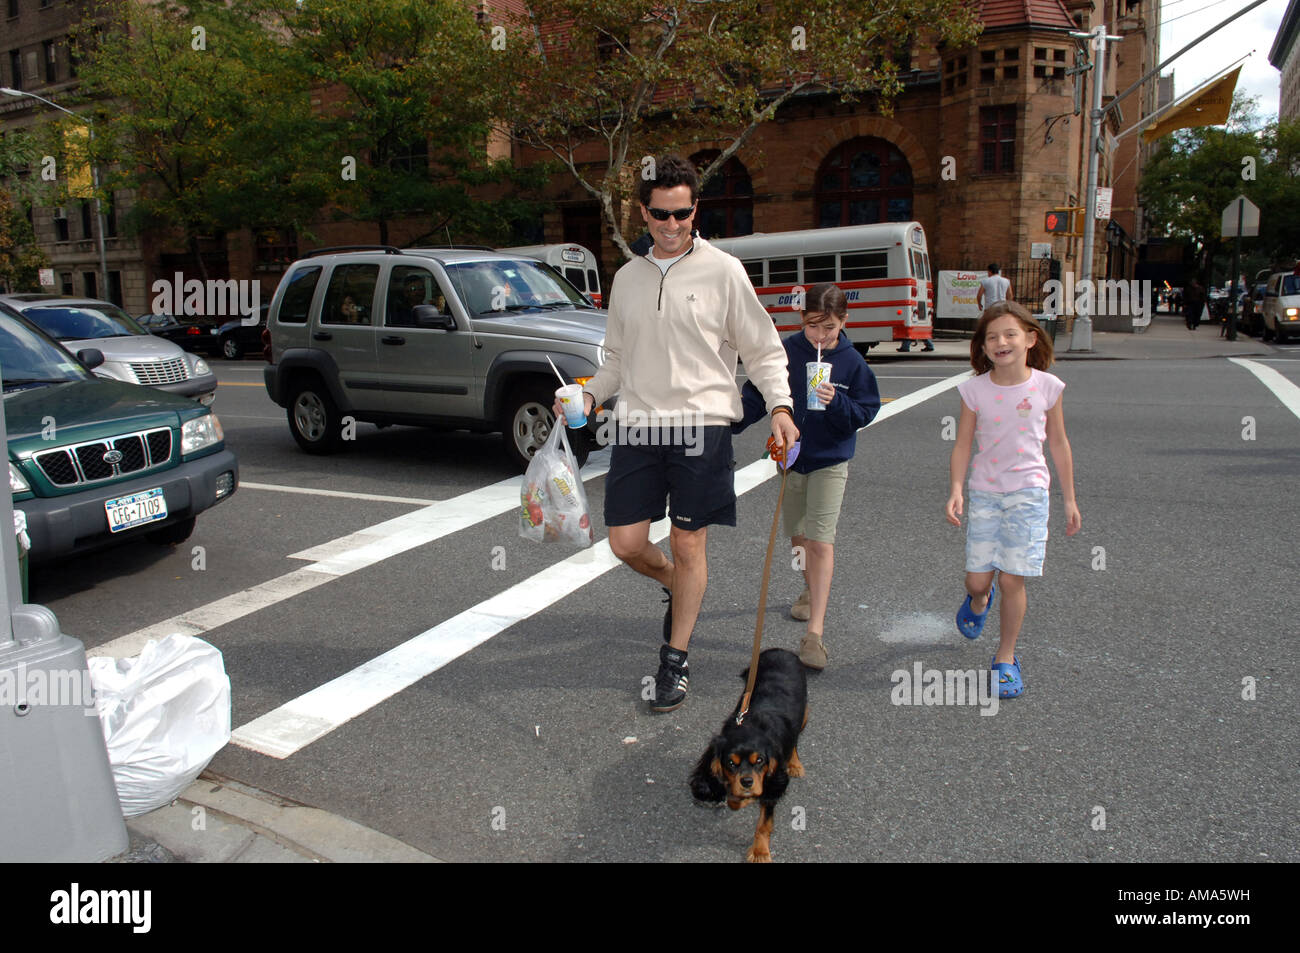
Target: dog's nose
x: 747, y: 782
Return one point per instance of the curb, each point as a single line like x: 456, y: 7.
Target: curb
x: 216, y: 820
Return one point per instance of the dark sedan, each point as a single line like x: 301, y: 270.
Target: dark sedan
x: 193, y: 334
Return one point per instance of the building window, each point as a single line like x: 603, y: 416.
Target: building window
x: 109, y: 208
x: 51, y: 62
x: 1049, y: 63
x: 65, y: 284
x: 61, y: 225
x: 87, y: 228
x: 12, y: 9
x: 90, y: 287
x: 954, y: 74
x: 726, y: 201
x: 276, y: 248
x: 412, y: 157
x: 609, y: 46
x: 15, y: 69
x: 998, y: 138
x: 864, y: 181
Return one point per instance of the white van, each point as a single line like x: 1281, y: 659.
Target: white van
x: 574, y: 262
x: 1282, y: 305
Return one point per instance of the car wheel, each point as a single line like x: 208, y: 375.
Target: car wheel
x: 173, y: 534
x: 527, y: 423
x: 230, y: 348
x: 314, y: 419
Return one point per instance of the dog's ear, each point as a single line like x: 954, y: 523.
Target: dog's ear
x: 706, y: 780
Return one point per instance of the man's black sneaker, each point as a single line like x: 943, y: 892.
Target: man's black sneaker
x: 668, y: 614
x: 670, y: 683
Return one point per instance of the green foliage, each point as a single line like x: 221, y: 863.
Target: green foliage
x: 1195, y: 173
x: 20, y: 256
x: 627, y: 80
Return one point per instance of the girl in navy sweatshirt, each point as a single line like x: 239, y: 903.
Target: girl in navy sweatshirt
x: 827, y: 439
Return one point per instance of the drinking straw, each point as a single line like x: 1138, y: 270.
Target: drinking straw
x: 563, y: 382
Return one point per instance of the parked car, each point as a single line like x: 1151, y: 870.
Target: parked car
x: 1282, y: 306
x: 193, y: 334
x: 94, y: 462
x: 131, y: 353
x: 238, y: 337
x: 432, y: 337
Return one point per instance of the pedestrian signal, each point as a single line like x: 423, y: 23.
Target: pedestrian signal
x: 1057, y: 222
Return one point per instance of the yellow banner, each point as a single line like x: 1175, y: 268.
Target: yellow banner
x: 1210, y: 107
x: 76, y: 152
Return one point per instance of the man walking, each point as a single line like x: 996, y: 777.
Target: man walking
x: 993, y: 288
x: 678, y: 317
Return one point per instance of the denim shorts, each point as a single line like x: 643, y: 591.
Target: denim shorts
x: 1007, y: 531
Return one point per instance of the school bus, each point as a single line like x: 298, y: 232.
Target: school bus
x: 884, y: 271
x: 573, y: 261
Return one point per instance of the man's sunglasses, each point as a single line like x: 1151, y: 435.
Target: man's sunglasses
x: 661, y: 214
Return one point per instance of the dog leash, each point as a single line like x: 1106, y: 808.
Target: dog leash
x: 778, y: 454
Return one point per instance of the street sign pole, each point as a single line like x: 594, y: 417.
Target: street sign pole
x: 1081, y: 336
x: 1236, y: 264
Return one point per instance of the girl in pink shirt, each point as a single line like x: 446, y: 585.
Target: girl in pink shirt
x: 1008, y: 411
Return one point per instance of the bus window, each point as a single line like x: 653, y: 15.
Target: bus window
x: 576, y: 278
x: 918, y: 267
x: 592, y: 284
x: 872, y: 264
x: 818, y: 268
x: 783, y: 271
x: 755, y: 271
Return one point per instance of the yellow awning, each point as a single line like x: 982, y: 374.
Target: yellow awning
x: 1209, y: 107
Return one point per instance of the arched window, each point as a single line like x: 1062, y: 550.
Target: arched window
x: 726, y: 207
x: 864, y: 181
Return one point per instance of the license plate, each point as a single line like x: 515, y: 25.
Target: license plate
x: 136, y: 510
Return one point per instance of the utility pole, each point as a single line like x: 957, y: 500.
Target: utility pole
x: 1081, y: 336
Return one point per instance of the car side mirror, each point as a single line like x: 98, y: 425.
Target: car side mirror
x: 92, y: 357
x: 427, y: 316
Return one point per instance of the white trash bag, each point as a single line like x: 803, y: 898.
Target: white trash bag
x: 165, y: 714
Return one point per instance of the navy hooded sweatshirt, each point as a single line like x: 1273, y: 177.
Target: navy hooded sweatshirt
x: 826, y: 437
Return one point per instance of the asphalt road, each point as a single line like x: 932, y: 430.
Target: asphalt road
x: 1133, y: 741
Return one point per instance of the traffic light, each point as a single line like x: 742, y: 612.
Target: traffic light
x: 1057, y: 222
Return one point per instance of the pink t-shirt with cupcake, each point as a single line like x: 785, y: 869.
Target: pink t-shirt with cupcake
x: 1010, y: 427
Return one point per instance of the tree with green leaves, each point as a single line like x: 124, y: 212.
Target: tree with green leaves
x: 195, y: 112
x: 20, y: 257
x: 1195, y: 174
x: 602, y: 83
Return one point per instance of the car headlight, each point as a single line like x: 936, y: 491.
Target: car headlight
x: 201, y: 367
x: 16, y: 482
x: 201, y: 432
x: 1291, y: 312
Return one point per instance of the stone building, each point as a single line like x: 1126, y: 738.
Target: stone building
x: 982, y: 143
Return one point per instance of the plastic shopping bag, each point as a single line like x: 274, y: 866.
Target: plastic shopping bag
x: 553, y: 505
x: 164, y: 714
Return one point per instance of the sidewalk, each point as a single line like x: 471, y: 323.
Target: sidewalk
x: 219, y: 821
x: 1165, y: 339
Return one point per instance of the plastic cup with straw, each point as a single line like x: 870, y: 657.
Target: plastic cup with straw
x: 570, y: 398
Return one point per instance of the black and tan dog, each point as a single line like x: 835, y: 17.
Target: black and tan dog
x: 754, y: 761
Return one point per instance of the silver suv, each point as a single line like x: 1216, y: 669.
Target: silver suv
x: 448, y: 337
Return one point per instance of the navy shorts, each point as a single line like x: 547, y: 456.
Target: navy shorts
x: 694, y: 481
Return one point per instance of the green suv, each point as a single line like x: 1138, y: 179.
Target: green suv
x: 93, y: 462
x: 459, y: 338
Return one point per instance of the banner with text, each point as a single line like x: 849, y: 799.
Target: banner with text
x: 957, y: 291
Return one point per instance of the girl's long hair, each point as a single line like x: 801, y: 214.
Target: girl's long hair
x: 1040, y: 356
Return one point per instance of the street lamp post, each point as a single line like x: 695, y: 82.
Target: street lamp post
x: 94, y: 182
